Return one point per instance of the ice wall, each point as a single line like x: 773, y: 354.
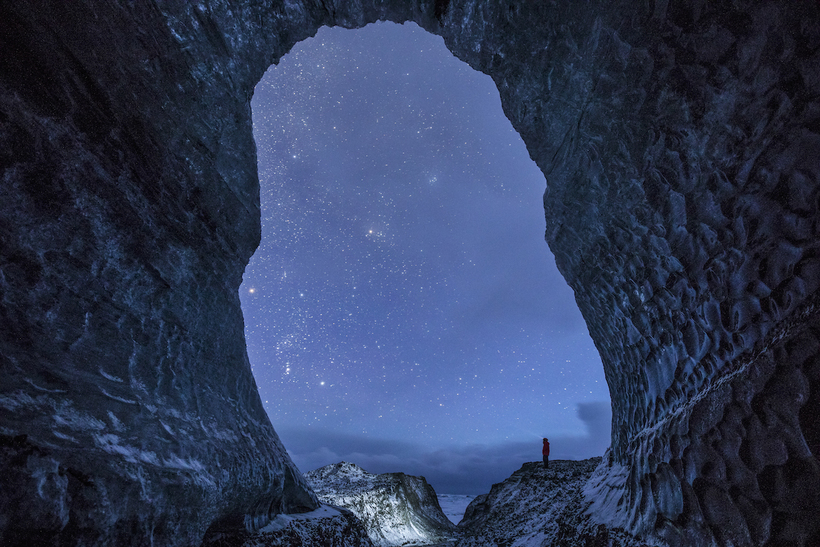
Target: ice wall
x: 680, y: 145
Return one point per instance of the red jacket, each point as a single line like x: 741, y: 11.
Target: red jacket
x: 546, y: 450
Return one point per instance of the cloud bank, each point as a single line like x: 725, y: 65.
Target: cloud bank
x: 453, y: 470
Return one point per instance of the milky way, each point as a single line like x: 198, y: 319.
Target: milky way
x: 403, y: 289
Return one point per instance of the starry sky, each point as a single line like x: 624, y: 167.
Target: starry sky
x: 403, y: 311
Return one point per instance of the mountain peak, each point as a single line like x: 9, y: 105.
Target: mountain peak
x: 395, y: 508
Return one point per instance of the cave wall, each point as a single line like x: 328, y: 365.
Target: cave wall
x: 130, y: 206
x: 680, y: 145
x: 682, y: 205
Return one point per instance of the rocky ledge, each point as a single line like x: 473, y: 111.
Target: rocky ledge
x: 537, y: 507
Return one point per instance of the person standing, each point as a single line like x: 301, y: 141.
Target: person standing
x: 545, y: 451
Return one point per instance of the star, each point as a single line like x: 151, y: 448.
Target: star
x: 450, y: 275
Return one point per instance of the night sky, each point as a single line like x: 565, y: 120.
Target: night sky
x: 403, y: 311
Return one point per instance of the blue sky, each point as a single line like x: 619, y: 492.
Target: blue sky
x: 403, y: 311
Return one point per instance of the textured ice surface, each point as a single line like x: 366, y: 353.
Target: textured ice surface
x: 679, y: 141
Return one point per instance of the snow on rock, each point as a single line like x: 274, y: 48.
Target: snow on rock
x: 396, y: 509
x: 537, y: 507
x: 325, y: 526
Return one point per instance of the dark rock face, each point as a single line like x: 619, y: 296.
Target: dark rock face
x: 679, y: 141
x: 396, y: 509
x: 539, y: 507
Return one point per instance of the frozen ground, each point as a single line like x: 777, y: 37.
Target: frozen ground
x: 454, y: 505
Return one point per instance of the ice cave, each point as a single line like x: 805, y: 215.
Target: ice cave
x: 680, y: 144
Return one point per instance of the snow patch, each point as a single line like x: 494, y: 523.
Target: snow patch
x: 280, y: 522
x: 110, y: 377
x: 605, y: 493
x: 120, y: 399
x: 111, y: 444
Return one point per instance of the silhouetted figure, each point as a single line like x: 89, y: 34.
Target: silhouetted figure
x: 545, y: 451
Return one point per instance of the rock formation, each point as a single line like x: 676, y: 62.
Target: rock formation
x: 396, y: 509
x: 323, y: 527
x: 680, y: 144
x: 537, y: 507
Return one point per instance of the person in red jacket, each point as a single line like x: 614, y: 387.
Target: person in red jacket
x: 545, y: 451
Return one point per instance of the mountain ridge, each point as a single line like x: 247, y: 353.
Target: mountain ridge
x: 395, y: 508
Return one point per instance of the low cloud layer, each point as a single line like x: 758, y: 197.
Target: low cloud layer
x: 454, y: 470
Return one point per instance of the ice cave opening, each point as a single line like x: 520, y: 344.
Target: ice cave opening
x: 403, y: 288
x: 680, y: 144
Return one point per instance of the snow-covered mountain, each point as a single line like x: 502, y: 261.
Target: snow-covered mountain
x: 396, y: 509
x: 537, y: 507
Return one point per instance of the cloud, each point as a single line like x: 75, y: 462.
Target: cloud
x: 453, y: 470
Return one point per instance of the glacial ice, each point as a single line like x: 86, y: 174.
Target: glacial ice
x: 679, y: 142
